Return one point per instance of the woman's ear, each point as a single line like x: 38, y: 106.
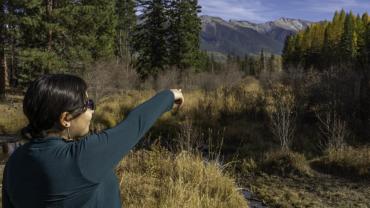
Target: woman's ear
x: 64, y: 121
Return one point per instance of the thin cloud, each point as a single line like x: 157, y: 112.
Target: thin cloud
x: 335, y: 5
x: 268, y: 10
x: 253, y: 10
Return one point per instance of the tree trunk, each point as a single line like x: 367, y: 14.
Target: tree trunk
x: 4, y: 81
x: 50, y: 32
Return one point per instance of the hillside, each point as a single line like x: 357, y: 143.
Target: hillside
x: 242, y: 37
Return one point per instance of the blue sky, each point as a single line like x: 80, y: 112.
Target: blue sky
x: 266, y: 10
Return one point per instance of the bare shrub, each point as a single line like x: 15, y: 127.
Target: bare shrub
x: 282, y: 113
x: 333, y: 129
x: 105, y: 78
x: 189, y: 137
x: 191, y: 80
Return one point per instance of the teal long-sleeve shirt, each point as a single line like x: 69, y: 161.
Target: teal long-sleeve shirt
x: 52, y: 172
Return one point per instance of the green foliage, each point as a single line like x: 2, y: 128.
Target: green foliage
x: 51, y: 36
x: 58, y: 36
x: 167, y: 35
x: 184, y: 28
x: 340, y: 42
x: 150, y: 38
x: 348, y: 42
x: 125, y: 11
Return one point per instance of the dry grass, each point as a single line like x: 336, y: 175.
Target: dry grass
x: 314, y: 192
x: 113, y: 108
x: 158, y: 178
x: 347, y: 162
x: 286, y: 163
x: 12, y: 118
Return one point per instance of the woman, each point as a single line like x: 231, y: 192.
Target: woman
x: 63, y: 165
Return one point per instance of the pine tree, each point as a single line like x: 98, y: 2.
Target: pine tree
x: 271, y: 63
x: 361, y: 26
x: 297, y: 55
x: 348, y: 42
x: 336, y: 34
x: 125, y: 11
x: 262, y: 61
x: 60, y: 35
x: 245, y: 65
x: 29, y: 26
x: 150, y: 38
x: 317, y: 44
x: 184, y: 29
x: 327, y: 58
x: 367, y: 43
x: 288, y: 51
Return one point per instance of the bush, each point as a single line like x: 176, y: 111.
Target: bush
x: 285, y: 163
x: 349, y: 162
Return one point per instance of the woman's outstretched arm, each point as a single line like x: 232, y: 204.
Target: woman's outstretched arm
x: 99, y: 153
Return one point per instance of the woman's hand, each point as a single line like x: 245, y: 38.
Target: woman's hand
x: 179, y: 99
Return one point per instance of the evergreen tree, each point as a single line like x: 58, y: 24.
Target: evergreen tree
x: 184, y: 29
x: 60, y: 35
x: 253, y: 66
x: 288, y: 51
x: 297, y: 55
x: 361, y: 24
x: 245, y: 64
x: 367, y: 43
x: 262, y: 62
x: 150, y: 41
x: 327, y: 56
x: 336, y: 34
x: 342, y: 41
x: 318, y: 35
x: 125, y: 11
x: 349, y: 40
x: 29, y: 23
x: 271, y: 63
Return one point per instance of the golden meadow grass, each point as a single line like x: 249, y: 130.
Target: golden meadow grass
x: 12, y: 118
x: 159, y: 178
x: 348, y: 162
x: 146, y: 178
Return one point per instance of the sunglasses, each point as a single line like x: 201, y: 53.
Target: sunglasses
x: 88, y: 104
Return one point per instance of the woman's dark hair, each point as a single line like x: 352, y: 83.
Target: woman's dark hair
x: 47, y: 98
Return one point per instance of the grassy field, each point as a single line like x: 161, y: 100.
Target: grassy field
x: 219, y: 142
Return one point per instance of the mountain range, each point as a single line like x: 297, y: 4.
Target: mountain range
x: 243, y: 37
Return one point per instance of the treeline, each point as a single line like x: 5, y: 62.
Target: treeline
x: 345, y: 41
x: 332, y: 61
x: 254, y: 65
x: 48, y: 36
